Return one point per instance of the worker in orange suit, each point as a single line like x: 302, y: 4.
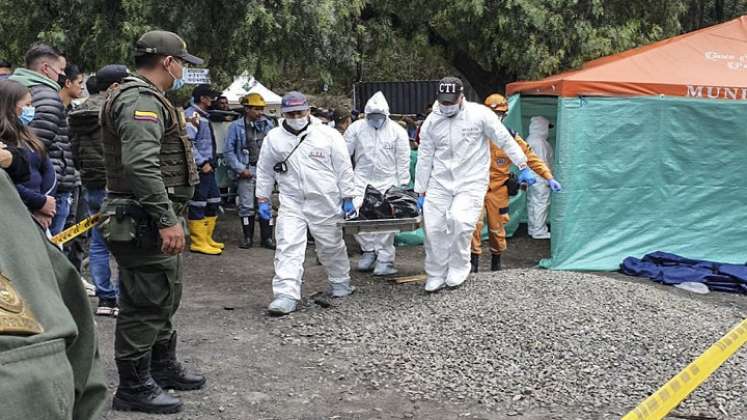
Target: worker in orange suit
x: 497, y: 197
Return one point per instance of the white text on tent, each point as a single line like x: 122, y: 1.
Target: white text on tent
x: 716, y: 92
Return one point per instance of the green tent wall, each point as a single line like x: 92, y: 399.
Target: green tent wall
x: 642, y: 174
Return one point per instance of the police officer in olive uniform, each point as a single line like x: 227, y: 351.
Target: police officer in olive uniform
x: 150, y: 178
x: 49, y: 360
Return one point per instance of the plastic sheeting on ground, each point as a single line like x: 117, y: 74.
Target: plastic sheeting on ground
x: 672, y: 269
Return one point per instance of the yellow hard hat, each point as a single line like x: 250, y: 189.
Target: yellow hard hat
x: 497, y: 102
x: 253, y: 99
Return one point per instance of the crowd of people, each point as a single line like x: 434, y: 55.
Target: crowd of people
x: 129, y: 155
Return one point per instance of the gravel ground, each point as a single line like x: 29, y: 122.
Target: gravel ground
x: 527, y: 341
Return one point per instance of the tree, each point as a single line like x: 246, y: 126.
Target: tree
x: 495, y: 42
x: 301, y: 44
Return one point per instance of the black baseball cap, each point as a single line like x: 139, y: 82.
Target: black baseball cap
x: 165, y: 43
x: 205, y: 90
x: 449, y: 89
x: 111, y: 73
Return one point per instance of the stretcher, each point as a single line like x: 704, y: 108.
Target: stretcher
x: 352, y: 227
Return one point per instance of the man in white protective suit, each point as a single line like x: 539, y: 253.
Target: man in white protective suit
x: 312, y: 168
x: 381, y: 151
x: 538, y: 195
x: 451, y: 178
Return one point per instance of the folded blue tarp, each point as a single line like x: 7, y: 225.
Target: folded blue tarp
x: 666, y: 268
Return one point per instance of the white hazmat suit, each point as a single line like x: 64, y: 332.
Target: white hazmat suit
x: 382, y: 160
x: 538, y: 195
x: 453, y: 170
x: 318, y: 178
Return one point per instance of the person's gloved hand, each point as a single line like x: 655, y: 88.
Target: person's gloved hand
x: 265, y: 210
x: 421, y: 201
x: 554, y: 185
x: 526, y: 176
x: 347, y: 207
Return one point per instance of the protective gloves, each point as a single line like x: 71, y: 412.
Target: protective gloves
x: 554, y: 185
x: 526, y: 176
x: 265, y: 211
x: 348, y: 208
x: 421, y: 201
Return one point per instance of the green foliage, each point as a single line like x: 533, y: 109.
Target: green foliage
x: 307, y: 44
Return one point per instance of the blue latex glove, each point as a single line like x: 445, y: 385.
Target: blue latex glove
x: 421, y: 201
x: 526, y: 176
x: 554, y: 185
x: 347, y: 207
x: 265, y: 211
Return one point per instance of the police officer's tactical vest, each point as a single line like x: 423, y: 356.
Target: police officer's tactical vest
x: 177, y: 163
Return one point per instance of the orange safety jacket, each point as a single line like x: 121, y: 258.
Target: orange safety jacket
x: 500, y: 164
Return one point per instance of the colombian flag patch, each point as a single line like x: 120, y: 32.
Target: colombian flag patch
x: 146, y: 116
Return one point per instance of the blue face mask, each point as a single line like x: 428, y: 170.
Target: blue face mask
x: 27, y: 114
x: 376, y: 122
x: 178, y: 83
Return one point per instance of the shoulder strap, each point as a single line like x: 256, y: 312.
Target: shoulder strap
x: 306, y: 134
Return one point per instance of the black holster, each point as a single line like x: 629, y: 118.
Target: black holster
x: 146, y: 230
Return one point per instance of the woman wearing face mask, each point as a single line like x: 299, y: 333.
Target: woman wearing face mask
x: 16, y: 113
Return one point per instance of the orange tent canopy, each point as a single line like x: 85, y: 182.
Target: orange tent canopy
x: 708, y: 63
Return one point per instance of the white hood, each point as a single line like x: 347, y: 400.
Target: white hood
x: 539, y: 130
x: 539, y: 126
x: 377, y: 105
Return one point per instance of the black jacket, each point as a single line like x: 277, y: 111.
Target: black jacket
x: 88, y: 148
x: 50, y: 126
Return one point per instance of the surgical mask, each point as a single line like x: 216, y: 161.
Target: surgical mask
x: 297, y: 123
x: 27, y: 114
x: 449, y: 110
x: 376, y: 123
x: 177, y: 84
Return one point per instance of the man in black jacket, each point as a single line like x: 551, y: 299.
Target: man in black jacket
x: 44, y: 69
x: 85, y: 136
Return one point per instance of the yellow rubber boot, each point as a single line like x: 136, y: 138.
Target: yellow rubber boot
x: 212, y: 221
x: 198, y: 237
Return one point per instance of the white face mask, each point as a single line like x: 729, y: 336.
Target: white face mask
x: 449, y: 110
x: 297, y: 123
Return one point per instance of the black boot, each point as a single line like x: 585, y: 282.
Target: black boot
x: 248, y: 229
x: 265, y: 234
x: 168, y: 372
x: 138, y: 391
x: 475, y: 262
x: 495, y: 263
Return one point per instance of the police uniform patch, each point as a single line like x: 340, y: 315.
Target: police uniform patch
x: 15, y: 315
x: 148, y: 116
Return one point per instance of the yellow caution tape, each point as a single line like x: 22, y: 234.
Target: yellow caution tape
x: 73, y: 232
x: 666, y: 398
